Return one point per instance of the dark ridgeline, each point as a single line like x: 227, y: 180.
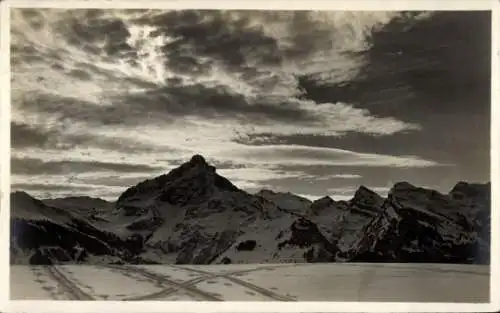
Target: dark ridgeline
x: 192, y: 215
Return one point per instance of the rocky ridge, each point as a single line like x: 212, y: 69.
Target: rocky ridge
x: 192, y: 215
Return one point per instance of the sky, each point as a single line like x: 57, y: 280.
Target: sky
x: 312, y: 102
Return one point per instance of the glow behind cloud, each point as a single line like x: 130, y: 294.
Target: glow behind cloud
x: 151, y: 88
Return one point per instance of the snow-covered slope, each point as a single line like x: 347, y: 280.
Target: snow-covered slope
x: 81, y: 205
x: 422, y: 225
x: 287, y: 201
x: 41, y: 233
x: 342, y: 221
x: 192, y: 215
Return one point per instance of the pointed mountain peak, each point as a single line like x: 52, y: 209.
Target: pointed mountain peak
x: 465, y: 189
x: 461, y: 185
x: 19, y: 193
x: 20, y: 200
x: 401, y: 190
x: 198, y: 159
x: 366, y: 195
x: 265, y: 191
x: 324, y: 200
x: 322, y: 203
x: 366, y: 200
x: 22, y: 197
x: 364, y: 192
x: 193, y: 182
x: 197, y: 162
x: 196, y: 165
x: 403, y: 186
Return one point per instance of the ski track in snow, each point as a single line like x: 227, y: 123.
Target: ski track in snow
x: 104, y: 284
x: 166, y: 280
x: 68, y: 285
x: 230, y: 277
x: 206, y: 276
x: 279, y: 282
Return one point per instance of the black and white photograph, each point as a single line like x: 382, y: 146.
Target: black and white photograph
x: 250, y: 155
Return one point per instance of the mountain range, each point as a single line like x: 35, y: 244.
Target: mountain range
x: 192, y: 215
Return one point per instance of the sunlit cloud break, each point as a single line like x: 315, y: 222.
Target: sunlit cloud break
x: 141, y: 88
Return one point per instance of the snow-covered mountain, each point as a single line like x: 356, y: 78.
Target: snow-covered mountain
x: 422, y: 225
x: 192, y: 215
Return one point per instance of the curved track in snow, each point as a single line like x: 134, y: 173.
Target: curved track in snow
x: 67, y: 285
x: 229, y: 276
x: 189, y: 284
x: 273, y: 282
x: 162, y: 279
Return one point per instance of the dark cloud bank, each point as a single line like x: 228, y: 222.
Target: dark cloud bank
x: 433, y: 72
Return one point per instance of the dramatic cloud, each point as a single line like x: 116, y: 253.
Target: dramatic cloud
x: 72, y: 167
x: 257, y: 93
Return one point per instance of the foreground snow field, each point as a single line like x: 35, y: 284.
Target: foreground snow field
x: 266, y: 282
